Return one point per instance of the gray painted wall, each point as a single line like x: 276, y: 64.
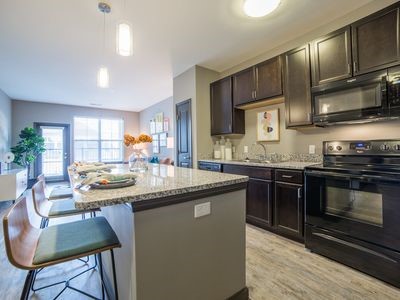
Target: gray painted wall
x: 5, y: 124
x: 25, y: 113
x: 195, y: 84
x: 167, y: 107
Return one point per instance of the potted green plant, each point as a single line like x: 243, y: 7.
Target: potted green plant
x: 28, y: 148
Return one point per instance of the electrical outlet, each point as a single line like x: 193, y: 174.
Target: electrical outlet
x: 201, y: 210
x: 311, y: 149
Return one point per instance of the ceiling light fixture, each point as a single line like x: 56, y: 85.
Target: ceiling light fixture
x: 124, y: 37
x: 260, y: 8
x: 103, y: 78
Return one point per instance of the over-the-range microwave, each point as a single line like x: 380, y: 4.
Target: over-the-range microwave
x: 364, y: 98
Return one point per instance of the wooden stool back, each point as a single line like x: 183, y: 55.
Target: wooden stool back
x: 41, y: 204
x: 20, y: 237
x: 43, y: 179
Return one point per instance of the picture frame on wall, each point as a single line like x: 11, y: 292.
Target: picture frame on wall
x: 163, y: 139
x: 268, y: 126
x: 166, y: 124
x: 152, y: 127
x: 159, y: 119
x: 156, y: 144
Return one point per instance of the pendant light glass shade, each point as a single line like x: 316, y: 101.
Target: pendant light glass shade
x: 103, y: 79
x: 124, y: 39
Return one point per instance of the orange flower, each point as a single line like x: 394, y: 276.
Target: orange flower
x: 130, y: 140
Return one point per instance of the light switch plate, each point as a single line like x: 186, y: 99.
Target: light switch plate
x: 201, y: 210
x: 311, y: 149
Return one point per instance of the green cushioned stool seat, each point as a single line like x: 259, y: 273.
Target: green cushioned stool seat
x: 60, y: 192
x: 72, y: 239
x: 63, y: 207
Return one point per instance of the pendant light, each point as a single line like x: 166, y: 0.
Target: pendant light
x: 103, y: 78
x: 124, y: 37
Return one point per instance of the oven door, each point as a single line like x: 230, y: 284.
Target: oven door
x: 365, y: 207
x: 358, y: 98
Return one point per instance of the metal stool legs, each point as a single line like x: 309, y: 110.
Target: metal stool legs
x: 31, y: 277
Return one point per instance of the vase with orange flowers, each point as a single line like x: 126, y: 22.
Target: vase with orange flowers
x: 138, y: 160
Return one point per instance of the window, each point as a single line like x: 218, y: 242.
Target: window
x: 98, y: 140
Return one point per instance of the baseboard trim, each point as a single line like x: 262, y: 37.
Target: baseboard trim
x: 243, y: 294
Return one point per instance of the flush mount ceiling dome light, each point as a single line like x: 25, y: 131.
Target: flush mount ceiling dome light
x: 260, y: 8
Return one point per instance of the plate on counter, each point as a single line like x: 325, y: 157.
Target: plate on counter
x: 114, y: 184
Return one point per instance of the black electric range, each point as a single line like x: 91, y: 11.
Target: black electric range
x: 353, y: 206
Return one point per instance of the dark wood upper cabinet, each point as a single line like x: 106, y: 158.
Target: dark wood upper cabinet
x: 268, y: 76
x: 259, y: 82
x: 225, y: 119
x: 298, y: 87
x: 243, y: 86
x: 376, y: 41
x: 331, y: 57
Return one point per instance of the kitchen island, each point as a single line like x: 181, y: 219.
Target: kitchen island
x: 182, y: 233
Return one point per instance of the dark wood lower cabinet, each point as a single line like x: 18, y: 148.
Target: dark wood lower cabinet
x: 274, y: 199
x: 288, y: 210
x: 259, y: 202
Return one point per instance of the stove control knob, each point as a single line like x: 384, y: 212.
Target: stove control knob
x: 385, y: 147
x: 330, y: 148
x: 339, y: 148
x: 396, y: 147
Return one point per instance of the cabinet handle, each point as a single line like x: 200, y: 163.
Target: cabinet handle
x: 355, y: 66
x: 349, y: 68
x: 287, y: 176
x: 299, y: 193
x: 255, y: 95
x: 309, y: 117
x: 230, y: 128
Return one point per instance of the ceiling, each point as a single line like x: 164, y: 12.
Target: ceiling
x: 50, y: 50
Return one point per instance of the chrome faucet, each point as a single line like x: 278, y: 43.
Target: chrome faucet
x: 264, y: 147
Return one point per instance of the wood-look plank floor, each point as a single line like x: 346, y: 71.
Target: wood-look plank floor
x: 277, y: 268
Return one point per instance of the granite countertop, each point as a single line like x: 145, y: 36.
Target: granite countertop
x: 298, y: 165
x: 160, y: 181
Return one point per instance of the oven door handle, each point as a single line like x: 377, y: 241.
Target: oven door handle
x: 369, y: 178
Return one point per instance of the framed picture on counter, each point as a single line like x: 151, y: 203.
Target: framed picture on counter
x: 268, y: 126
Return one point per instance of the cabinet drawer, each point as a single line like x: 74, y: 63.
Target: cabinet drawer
x: 253, y: 172
x: 289, y: 176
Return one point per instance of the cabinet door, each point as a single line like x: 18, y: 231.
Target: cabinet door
x: 269, y: 79
x: 259, y: 202
x: 376, y: 41
x: 221, y: 106
x: 297, y: 87
x: 331, y: 57
x: 288, y: 217
x: 243, y: 87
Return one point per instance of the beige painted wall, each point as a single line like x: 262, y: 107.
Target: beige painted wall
x: 5, y: 124
x: 166, y: 106
x: 25, y: 113
x: 297, y: 141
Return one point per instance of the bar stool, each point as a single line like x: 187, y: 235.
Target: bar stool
x: 57, y: 192
x: 54, y: 209
x: 30, y: 248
